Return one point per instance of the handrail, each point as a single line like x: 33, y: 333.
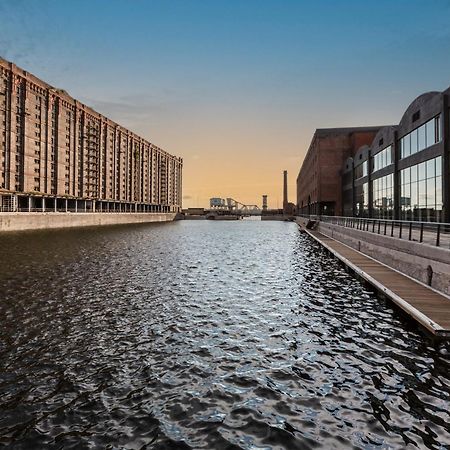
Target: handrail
x: 321, y: 217
x: 432, y: 233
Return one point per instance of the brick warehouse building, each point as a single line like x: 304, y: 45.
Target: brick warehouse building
x: 403, y: 173
x: 319, y: 179
x: 56, y: 153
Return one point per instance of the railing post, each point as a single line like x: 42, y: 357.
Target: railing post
x: 410, y: 231
x: 392, y: 229
x: 438, y: 236
x: 400, y: 231
x: 421, y: 232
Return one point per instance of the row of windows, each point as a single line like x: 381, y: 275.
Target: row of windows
x: 417, y: 140
x: 383, y: 196
x: 421, y: 191
x: 362, y: 200
x: 362, y: 170
x: 382, y: 159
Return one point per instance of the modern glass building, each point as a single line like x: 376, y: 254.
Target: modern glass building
x: 405, y: 173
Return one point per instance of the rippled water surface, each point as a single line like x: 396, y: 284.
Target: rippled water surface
x: 203, y: 334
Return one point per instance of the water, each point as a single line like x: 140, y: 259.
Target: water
x: 219, y: 335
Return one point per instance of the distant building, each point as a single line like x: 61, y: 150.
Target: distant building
x: 319, y: 180
x: 57, y: 153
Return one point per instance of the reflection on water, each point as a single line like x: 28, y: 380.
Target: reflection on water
x: 206, y: 335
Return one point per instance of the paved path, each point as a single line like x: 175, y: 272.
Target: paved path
x: 426, y: 306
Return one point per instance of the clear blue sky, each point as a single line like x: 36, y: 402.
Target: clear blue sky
x: 238, y: 86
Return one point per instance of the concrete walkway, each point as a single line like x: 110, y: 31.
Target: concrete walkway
x: 428, y: 307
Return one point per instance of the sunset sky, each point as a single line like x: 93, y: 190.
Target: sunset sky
x: 236, y: 88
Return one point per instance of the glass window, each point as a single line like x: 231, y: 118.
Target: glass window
x: 438, y: 166
x: 406, y: 195
x: 407, y: 145
x: 421, y: 140
x: 383, y: 196
x: 413, y: 142
x: 406, y: 175
x: 431, y: 171
x: 365, y: 169
x: 414, y: 198
x: 382, y: 159
x: 431, y: 133
x: 438, y: 192
x: 437, y: 125
x: 413, y: 173
x: 422, y: 171
x: 422, y: 193
x: 424, y: 196
x: 431, y: 193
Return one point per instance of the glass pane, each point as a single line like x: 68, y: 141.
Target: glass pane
x: 422, y: 193
x: 431, y: 193
x: 438, y: 161
x: 422, y: 171
x: 413, y: 173
x: 414, y: 195
x: 431, y: 168
x: 406, y: 175
x: 430, y: 133
x: 413, y: 142
x: 439, y: 192
x: 438, y: 128
x: 407, y: 142
x: 406, y: 196
x: 421, y: 138
x: 388, y: 181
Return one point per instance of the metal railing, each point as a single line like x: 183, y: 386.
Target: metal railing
x: 431, y: 233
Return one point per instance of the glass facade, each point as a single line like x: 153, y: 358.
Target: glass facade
x: 421, y: 191
x: 382, y: 159
x: 362, y: 200
x: 426, y: 135
x: 383, y: 197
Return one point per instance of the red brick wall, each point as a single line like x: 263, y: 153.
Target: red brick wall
x: 319, y: 176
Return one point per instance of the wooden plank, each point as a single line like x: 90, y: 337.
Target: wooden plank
x: 428, y: 307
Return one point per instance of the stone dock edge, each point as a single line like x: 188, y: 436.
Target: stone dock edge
x: 40, y: 221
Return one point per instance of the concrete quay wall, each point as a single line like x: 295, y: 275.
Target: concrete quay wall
x: 38, y: 221
x: 281, y: 217
x: 408, y: 257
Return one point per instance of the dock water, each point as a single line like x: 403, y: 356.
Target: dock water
x: 426, y: 306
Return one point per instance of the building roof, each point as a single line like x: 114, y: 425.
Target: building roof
x: 329, y: 131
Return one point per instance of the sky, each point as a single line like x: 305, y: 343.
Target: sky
x: 234, y: 87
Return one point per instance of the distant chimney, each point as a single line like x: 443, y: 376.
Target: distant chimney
x: 264, y: 203
x: 285, y: 191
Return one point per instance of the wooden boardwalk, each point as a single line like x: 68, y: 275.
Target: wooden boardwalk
x: 426, y: 306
